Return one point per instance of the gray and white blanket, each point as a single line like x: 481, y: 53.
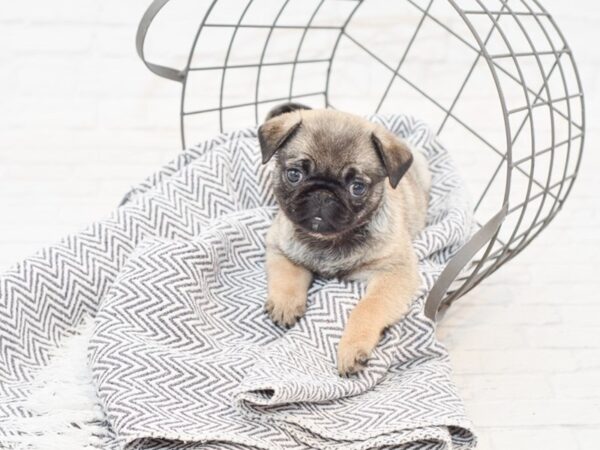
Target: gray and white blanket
x: 182, y: 354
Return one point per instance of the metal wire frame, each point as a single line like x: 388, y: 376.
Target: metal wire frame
x: 487, y: 251
x: 507, y: 250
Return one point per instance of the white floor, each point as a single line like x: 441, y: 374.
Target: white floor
x: 81, y: 120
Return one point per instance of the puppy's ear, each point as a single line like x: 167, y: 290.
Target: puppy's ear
x: 394, y: 153
x: 276, y: 132
x: 285, y: 108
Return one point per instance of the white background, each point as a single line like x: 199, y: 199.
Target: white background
x: 81, y: 120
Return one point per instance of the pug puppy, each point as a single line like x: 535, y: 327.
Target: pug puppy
x: 352, y: 196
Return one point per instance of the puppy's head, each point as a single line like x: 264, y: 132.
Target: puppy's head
x: 330, y: 167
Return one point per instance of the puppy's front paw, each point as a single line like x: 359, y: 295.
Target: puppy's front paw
x: 353, y: 355
x: 286, y: 309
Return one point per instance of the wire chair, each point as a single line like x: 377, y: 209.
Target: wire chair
x: 495, y: 78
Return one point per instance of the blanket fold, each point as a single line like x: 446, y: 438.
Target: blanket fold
x: 182, y: 353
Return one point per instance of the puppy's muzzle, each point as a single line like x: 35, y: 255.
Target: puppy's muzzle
x: 323, y: 202
x: 323, y: 212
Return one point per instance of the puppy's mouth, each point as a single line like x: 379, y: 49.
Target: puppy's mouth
x: 318, y: 226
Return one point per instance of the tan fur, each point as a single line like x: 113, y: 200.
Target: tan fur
x: 388, y: 264
x: 287, y: 285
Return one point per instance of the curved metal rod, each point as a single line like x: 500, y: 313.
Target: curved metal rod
x: 556, y: 206
x: 262, y: 59
x: 545, y: 76
x: 506, y: 251
x: 466, y: 253
x: 334, y: 51
x: 529, y: 235
x: 226, y: 63
x: 140, y: 38
x: 297, y: 55
x: 187, y: 69
x: 472, y: 277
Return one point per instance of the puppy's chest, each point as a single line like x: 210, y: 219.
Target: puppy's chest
x: 328, y: 261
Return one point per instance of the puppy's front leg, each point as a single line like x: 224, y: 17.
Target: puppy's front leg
x: 386, y: 301
x: 287, y: 285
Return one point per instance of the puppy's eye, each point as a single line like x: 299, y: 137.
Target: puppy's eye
x: 358, y: 189
x: 294, y: 176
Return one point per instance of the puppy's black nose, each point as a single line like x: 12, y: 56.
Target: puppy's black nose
x: 324, y: 197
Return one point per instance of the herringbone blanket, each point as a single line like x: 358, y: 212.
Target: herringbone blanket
x: 182, y: 353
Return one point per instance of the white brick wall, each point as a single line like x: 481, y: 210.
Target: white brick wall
x: 81, y: 119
